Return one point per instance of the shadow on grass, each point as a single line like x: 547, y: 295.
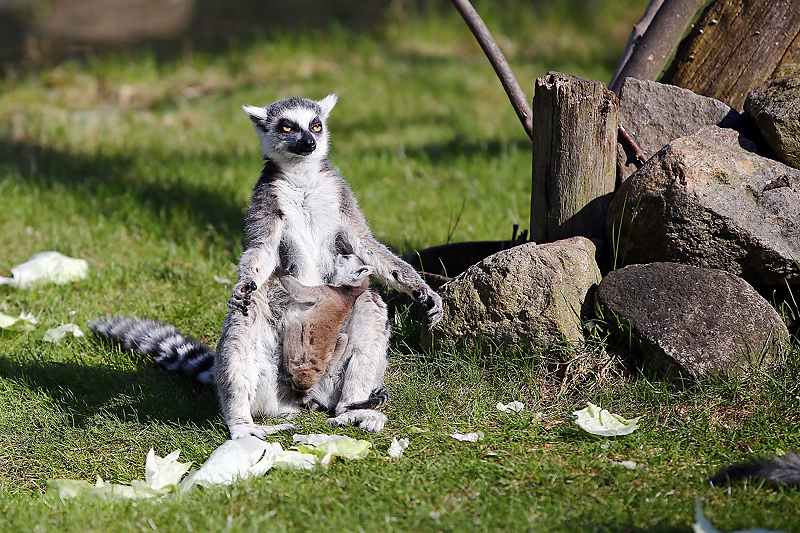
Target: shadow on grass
x: 82, y: 392
x: 441, y: 153
x: 109, y: 186
x: 444, y: 153
x: 105, y: 181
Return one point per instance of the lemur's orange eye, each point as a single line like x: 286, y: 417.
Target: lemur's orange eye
x: 316, y: 129
x: 287, y: 129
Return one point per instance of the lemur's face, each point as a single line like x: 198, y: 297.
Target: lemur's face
x: 293, y: 128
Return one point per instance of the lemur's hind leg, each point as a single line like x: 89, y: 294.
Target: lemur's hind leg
x: 246, y: 371
x: 367, y: 329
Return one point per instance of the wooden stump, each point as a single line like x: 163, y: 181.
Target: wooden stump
x: 736, y: 45
x: 574, y: 157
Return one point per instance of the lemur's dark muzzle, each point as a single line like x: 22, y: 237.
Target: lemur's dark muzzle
x: 305, y: 145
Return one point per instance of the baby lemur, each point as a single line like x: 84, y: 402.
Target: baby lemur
x: 302, y: 216
x: 313, y: 343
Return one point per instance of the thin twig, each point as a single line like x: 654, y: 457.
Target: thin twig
x: 519, y: 100
x: 628, y: 141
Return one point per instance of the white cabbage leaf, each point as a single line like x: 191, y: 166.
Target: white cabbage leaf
x: 46, y: 267
x: 598, y: 421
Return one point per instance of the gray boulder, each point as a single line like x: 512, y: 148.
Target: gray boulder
x: 529, y: 294
x: 654, y: 114
x: 688, y: 321
x: 775, y: 106
x: 707, y: 200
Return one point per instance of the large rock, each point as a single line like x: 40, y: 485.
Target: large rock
x: 775, y: 106
x: 654, y: 114
x: 707, y: 200
x: 529, y: 294
x: 688, y: 321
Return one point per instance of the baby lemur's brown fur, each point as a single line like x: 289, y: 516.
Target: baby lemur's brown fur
x: 313, y: 342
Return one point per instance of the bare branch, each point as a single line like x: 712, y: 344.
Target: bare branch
x: 515, y: 93
x: 636, y: 34
x: 659, y: 41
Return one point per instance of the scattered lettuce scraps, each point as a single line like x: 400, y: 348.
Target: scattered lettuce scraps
x: 315, y: 439
x: 24, y: 323
x: 162, y: 477
x: 46, y: 267
x: 234, y: 459
x: 295, y: 460
x: 397, y: 448
x: 597, y: 421
x: 56, y: 334
x: 344, y: 447
x: 468, y: 437
x: 511, y: 407
x: 160, y: 473
x: 68, y: 488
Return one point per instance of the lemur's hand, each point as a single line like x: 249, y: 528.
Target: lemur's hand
x: 433, y: 304
x: 240, y: 299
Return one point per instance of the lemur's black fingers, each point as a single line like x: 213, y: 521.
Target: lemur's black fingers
x: 242, y: 309
x: 242, y: 291
x: 433, y: 318
x: 240, y: 298
x: 433, y: 305
x: 239, y: 305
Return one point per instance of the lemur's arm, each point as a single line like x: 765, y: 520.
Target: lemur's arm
x: 258, y: 262
x: 255, y: 267
x: 390, y: 269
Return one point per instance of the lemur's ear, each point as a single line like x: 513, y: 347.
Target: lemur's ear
x: 327, y: 104
x: 256, y: 114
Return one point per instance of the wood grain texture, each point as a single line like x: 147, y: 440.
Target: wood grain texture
x: 734, y: 46
x: 574, y: 161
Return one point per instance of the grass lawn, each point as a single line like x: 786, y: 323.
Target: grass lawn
x: 144, y: 169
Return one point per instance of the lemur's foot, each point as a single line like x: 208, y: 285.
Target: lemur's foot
x: 240, y: 298
x: 257, y: 430
x: 366, y: 419
x: 377, y: 398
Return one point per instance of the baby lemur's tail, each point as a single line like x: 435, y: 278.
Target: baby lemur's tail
x: 168, y: 347
x: 782, y: 470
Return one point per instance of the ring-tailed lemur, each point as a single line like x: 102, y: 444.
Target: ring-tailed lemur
x: 314, y: 343
x: 302, y: 216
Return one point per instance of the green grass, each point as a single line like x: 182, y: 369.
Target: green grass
x: 144, y: 169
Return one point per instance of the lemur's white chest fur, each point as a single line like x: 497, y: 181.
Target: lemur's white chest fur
x: 309, y: 201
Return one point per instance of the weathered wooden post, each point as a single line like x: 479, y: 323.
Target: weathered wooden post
x: 734, y: 46
x: 574, y: 157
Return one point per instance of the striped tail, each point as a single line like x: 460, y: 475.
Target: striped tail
x: 780, y: 470
x: 169, y: 348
